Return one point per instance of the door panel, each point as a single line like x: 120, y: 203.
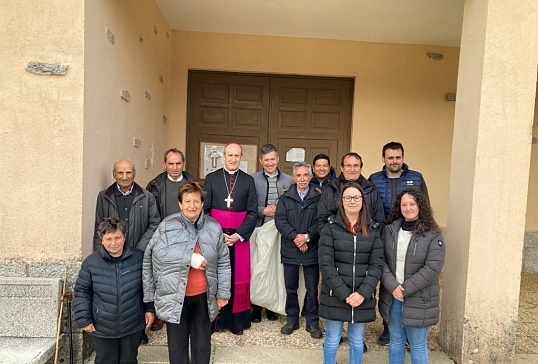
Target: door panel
x: 313, y: 113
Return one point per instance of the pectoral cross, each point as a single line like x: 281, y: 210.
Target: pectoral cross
x: 228, y: 200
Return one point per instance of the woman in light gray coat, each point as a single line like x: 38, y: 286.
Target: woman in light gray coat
x: 186, y: 273
x: 414, y: 253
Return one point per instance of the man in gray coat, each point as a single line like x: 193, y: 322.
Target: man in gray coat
x: 270, y: 183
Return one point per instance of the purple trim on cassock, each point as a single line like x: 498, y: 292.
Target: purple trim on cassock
x: 232, y: 220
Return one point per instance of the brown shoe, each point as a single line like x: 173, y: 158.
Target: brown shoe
x: 157, y: 325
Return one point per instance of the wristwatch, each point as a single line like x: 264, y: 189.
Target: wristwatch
x: 307, y: 238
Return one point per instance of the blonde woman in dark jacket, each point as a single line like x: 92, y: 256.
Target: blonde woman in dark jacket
x: 414, y: 252
x: 350, y: 259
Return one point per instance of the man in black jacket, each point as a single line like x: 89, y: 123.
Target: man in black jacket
x: 330, y: 195
x: 108, y: 296
x: 295, y: 219
x: 164, y: 187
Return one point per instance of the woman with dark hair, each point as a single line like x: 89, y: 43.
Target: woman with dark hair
x: 187, y: 273
x: 350, y: 260
x: 414, y: 256
x: 108, y: 296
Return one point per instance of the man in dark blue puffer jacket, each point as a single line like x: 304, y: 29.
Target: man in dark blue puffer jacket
x: 390, y: 181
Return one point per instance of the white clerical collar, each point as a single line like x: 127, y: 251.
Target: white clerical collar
x: 178, y: 180
x: 230, y: 172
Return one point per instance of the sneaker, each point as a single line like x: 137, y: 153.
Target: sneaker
x: 314, y: 331
x: 384, y: 338
x: 289, y: 328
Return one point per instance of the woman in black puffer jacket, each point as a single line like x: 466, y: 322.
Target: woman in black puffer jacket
x: 108, y: 296
x: 350, y: 260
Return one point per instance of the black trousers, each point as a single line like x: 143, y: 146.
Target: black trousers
x: 291, y: 279
x: 117, y: 351
x: 194, y: 323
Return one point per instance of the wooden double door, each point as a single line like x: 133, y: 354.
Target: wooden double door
x: 312, y: 113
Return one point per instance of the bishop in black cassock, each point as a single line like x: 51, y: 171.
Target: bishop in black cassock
x: 231, y: 199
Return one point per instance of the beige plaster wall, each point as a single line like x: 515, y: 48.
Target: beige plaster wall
x: 399, y: 92
x: 41, y: 130
x: 110, y: 123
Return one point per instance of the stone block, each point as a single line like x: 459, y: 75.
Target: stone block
x: 530, y: 260
x: 13, y: 268
x: 33, y: 306
x: 531, y: 239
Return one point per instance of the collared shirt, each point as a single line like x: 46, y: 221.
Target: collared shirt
x: 124, y: 201
x: 178, y: 180
x: 303, y: 195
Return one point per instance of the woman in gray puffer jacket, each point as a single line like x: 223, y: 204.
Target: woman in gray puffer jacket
x: 414, y: 256
x: 186, y: 272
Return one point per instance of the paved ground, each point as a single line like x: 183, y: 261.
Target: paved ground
x: 264, y: 343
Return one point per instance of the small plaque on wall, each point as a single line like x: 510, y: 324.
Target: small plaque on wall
x: 212, y: 158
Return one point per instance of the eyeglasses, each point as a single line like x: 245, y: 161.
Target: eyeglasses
x: 354, y: 166
x: 354, y: 198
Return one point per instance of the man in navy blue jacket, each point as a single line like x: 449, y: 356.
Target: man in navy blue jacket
x: 393, y: 178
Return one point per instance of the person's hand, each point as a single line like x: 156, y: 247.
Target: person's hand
x: 221, y: 302
x: 398, y: 292
x: 230, y: 239
x: 304, y: 248
x: 269, y: 210
x: 89, y: 328
x: 300, y: 240
x: 354, y: 299
x: 203, y: 265
x: 150, y: 317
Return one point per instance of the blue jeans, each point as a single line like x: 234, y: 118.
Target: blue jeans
x: 333, y: 333
x: 417, y: 336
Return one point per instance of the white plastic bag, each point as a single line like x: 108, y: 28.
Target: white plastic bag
x: 267, y: 288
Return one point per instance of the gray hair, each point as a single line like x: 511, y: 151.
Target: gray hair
x: 266, y: 149
x: 302, y: 164
x: 110, y: 225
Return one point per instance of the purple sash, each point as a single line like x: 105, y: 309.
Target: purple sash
x: 232, y: 220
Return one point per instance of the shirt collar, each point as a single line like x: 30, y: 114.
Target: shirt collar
x: 178, y: 180
x: 125, y: 193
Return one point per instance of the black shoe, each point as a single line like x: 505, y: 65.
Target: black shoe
x: 384, y: 338
x: 236, y: 331
x: 407, y: 344
x: 271, y: 316
x: 144, y: 339
x: 364, y: 348
x: 289, y: 328
x: 314, y: 331
x: 256, y: 315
